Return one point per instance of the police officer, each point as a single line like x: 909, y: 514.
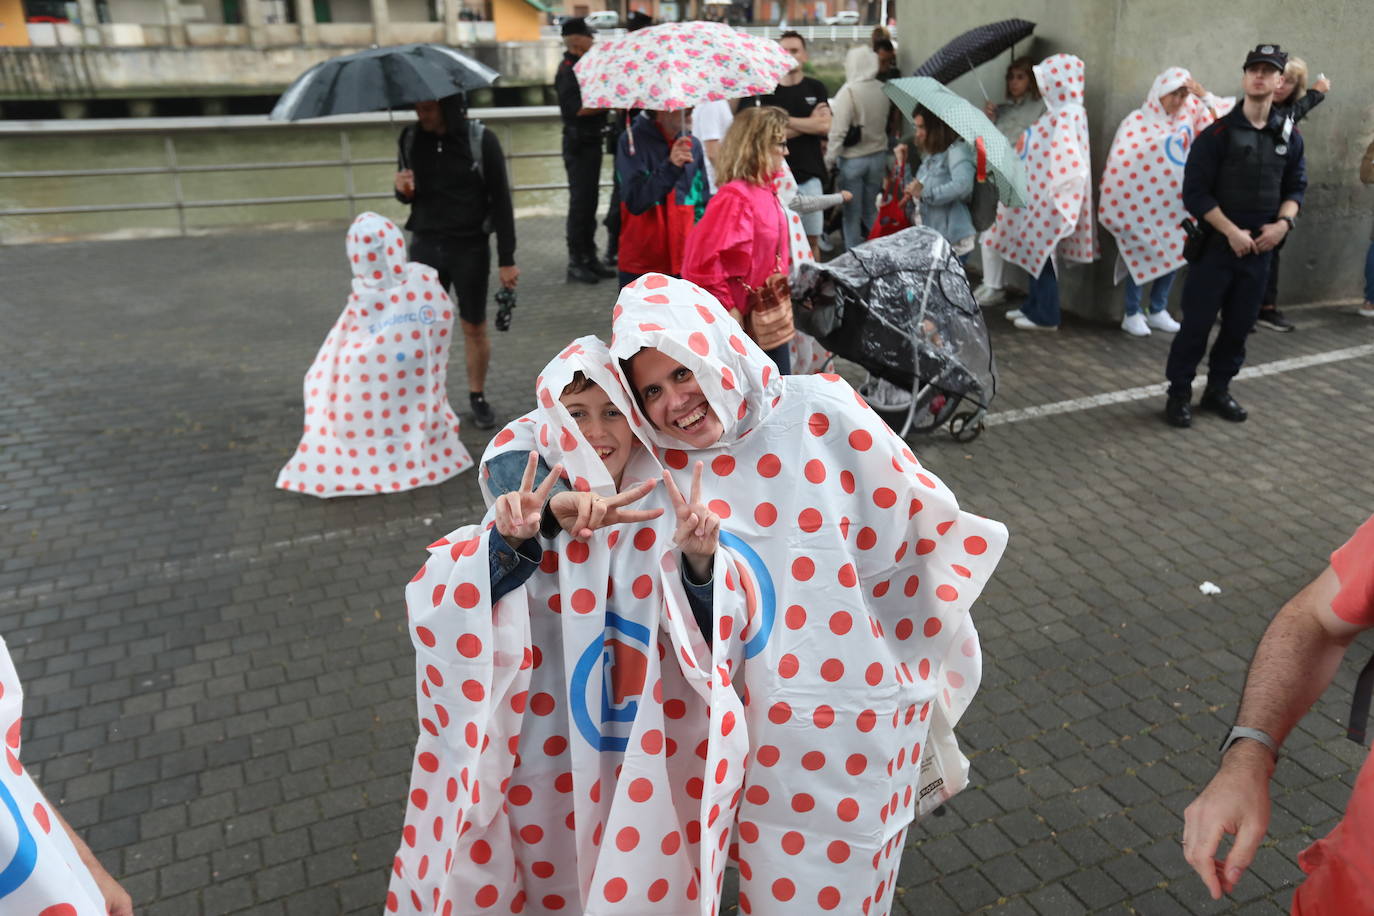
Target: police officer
x: 1244, y: 182
x: 582, y: 129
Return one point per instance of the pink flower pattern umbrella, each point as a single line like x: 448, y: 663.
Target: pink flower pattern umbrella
x: 679, y: 65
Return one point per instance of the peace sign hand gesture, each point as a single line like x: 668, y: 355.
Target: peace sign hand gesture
x: 698, y: 528
x: 518, y: 512
x: 580, y: 514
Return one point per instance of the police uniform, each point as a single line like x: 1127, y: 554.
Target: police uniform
x: 582, y: 152
x: 1248, y: 172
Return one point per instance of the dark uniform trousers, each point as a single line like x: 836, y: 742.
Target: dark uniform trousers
x: 582, y: 160
x: 1218, y: 282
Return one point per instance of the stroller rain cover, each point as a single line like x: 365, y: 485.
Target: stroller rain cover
x: 901, y: 307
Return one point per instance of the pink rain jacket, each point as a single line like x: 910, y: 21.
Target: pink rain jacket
x: 742, y: 239
x: 1140, y: 200
x: 377, y: 416
x: 1057, y: 221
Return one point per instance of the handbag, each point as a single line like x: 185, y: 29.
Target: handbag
x: 769, y: 321
x: 982, y: 206
x: 891, y: 214
x: 856, y: 131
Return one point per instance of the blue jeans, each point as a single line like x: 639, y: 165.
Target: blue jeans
x: 782, y: 358
x: 1369, y: 274
x: 1042, y: 305
x: 1159, y: 294
x: 863, y: 177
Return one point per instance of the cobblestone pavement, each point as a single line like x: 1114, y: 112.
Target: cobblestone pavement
x: 219, y: 681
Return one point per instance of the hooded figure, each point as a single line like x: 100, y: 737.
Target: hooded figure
x: 1140, y: 200
x: 43, y: 871
x: 566, y: 758
x: 377, y: 416
x: 1057, y: 221
x: 860, y: 103
x: 861, y: 654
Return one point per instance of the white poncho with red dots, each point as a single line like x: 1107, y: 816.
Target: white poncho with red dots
x: 860, y: 655
x: 566, y: 763
x: 377, y: 416
x: 1140, y: 200
x: 1057, y: 221
x: 807, y: 355
x: 42, y: 872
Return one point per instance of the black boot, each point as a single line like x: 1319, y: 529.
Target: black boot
x: 1221, y: 403
x: 579, y: 272
x: 604, y: 271
x: 612, y: 258
x: 1177, y: 412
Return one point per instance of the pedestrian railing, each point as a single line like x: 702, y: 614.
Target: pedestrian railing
x: 162, y: 185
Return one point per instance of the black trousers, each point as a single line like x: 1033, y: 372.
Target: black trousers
x: 1218, y: 282
x: 1271, y: 283
x: 582, y: 160
x: 463, y: 264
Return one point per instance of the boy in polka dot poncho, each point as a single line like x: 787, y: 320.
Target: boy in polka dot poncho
x: 377, y: 415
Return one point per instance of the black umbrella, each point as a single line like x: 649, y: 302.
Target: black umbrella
x: 974, y: 47
x: 379, y: 78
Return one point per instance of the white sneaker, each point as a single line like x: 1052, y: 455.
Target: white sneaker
x: 1135, y: 325
x: 1025, y: 324
x: 1163, y: 321
x: 1367, y: 310
x: 1013, y: 314
x: 989, y: 295
x: 824, y: 243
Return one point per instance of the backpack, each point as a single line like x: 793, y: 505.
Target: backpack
x: 982, y: 207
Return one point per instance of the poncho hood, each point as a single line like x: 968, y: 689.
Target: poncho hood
x: 1060, y: 79
x: 1170, y: 80
x: 860, y: 63
x: 685, y: 322
x: 376, y: 253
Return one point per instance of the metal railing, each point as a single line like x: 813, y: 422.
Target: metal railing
x: 499, y: 119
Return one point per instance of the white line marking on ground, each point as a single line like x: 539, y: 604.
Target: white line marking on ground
x: 1002, y: 418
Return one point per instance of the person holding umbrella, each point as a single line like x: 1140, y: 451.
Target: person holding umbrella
x: 453, y: 175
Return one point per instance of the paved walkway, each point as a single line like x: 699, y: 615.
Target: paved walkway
x: 220, y: 685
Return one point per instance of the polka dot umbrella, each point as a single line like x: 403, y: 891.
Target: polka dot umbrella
x: 679, y: 65
x: 998, y: 162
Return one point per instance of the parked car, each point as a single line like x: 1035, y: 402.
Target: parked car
x: 843, y: 17
x: 604, y: 19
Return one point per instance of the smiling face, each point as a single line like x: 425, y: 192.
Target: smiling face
x: 602, y: 424
x: 672, y: 399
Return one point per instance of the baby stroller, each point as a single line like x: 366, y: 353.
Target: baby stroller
x: 901, y: 307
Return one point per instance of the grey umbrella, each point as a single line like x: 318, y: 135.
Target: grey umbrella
x: 380, y: 78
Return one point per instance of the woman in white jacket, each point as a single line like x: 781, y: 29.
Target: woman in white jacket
x: 860, y: 103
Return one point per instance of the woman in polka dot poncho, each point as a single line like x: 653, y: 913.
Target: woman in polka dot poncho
x: 377, y: 416
x: 859, y: 651
x: 1140, y: 200
x: 1056, y: 225
x: 566, y: 762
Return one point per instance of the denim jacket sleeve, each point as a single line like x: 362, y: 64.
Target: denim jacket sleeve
x: 504, y: 474
x: 959, y: 175
x: 511, y: 566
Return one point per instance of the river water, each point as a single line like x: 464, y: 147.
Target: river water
x: 523, y: 139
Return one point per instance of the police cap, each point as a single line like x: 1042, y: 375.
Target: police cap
x: 1267, y: 54
x: 637, y: 20
x: 577, y: 25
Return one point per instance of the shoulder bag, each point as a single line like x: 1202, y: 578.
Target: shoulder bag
x: 769, y: 321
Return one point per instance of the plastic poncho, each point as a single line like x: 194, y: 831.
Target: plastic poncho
x: 1057, y: 221
x: 377, y: 416
x: 1140, y: 200
x: 807, y: 355
x: 862, y: 655
x: 566, y: 760
x: 43, y: 872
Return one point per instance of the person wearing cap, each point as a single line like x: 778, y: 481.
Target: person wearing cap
x: 1294, y: 663
x: 582, y: 130
x: 1244, y: 182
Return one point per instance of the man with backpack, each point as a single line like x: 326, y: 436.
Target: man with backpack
x: 453, y: 174
x: 1294, y: 663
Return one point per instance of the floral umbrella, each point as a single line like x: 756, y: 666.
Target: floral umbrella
x: 679, y: 65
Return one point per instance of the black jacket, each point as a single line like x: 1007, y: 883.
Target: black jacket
x: 1232, y: 153
x: 452, y: 198
x: 578, y: 128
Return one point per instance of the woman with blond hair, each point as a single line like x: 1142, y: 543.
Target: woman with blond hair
x: 742, y: 238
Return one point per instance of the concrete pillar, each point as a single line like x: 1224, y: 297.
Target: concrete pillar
x: 451, y: 36
x: 305, y: 19
x: 90, y: 22
x: 176, y: 29
x: 381, y: 23
x: 254, y: 20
